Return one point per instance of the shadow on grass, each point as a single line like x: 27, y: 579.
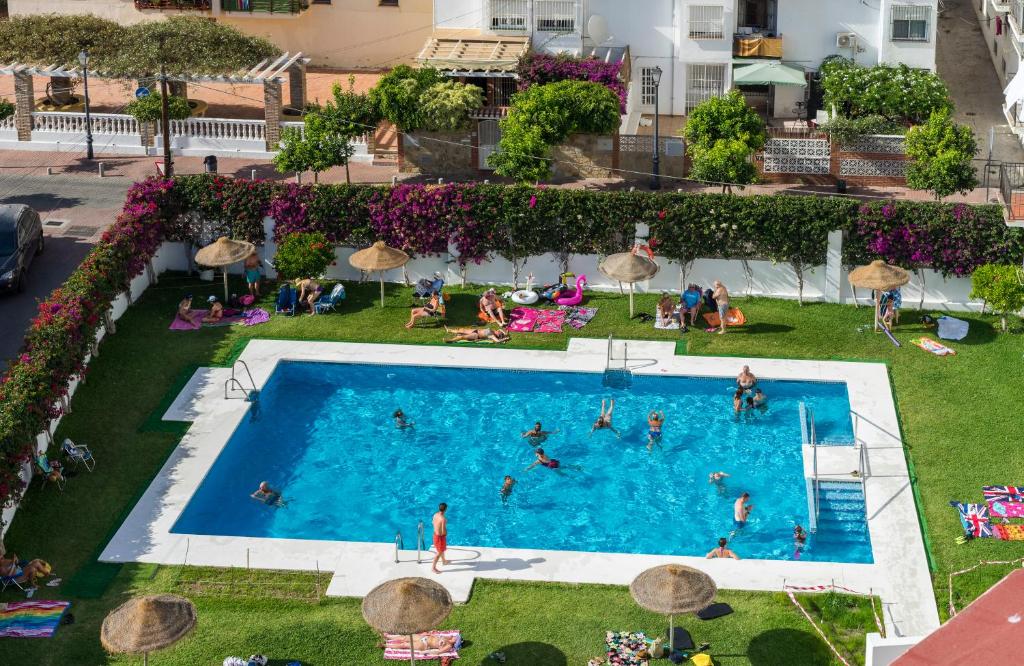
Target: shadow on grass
x: 761, y: 328
x: 786, y: 647
x: 530, y: 653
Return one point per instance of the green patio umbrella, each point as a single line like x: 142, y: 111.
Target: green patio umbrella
x: 772, y: 73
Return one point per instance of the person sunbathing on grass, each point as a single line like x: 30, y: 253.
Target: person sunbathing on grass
x: 426, y: 644
x: 216, y: 313
x: 497, y: 336
x: 431, y: 309
x: 185, y: 310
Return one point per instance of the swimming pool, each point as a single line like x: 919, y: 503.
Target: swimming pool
x: 324, y: 434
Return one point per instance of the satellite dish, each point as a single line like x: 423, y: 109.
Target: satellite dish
x: 597, y: 28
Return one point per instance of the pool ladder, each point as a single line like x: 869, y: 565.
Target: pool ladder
x: 421, y: 544
x: 617, y: 378
x: 234, y: 383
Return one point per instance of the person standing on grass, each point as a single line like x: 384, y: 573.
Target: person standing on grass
x: 440, y: 523
x: 721, y: 296
x: 252, y: 274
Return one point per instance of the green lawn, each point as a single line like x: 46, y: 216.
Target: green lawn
x: 957, y: 418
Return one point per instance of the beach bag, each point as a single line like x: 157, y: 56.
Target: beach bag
x: 709, y: 301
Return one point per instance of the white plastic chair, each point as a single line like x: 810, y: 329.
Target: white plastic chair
x: 79, y: 453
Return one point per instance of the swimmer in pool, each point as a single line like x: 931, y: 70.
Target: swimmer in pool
x: 799, y: 541
x: 267, y: 495
x: 741, y: 512
x: 760, y: 399
x: 506, y: 489
x: 716, y: 477
x: 655, y: 421
x: 746, y: 379
x: 400, y: 421
x: 737, y: 401
x: 537, y: 435
x: 605, y: 419
x: 722, y: 552
x: 544, y: 461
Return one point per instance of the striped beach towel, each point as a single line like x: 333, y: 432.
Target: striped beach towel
x: 403, y: 653
x: 31, y: 619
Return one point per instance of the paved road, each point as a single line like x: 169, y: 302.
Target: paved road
x: 86, y: 205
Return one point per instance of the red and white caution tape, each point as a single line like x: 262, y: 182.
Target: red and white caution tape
x: 821, y: 633
x: 832, y: 587
x: 952, y: 608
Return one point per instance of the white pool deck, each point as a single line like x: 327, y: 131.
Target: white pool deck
x: 899, y: 573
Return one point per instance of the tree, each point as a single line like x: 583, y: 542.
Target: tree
x: 898, y: 92
x: 6, y: 109
x: 446, y: 106
x: 326, y: 140
x: 999, y: 286
x: 941, y: 152
x: 397, y: 96
x: 544, y: 116
x: 721, y: 135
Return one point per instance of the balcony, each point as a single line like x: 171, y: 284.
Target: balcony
x: 756, y: 46
x: 175, y: 5
x: 261, y: 7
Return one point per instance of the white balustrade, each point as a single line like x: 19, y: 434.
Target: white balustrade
x: 220, y: 129
x: 57, y: 122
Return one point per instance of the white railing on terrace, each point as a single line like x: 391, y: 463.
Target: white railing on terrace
x: 220, y: 129
x: 7, y: 123
x: 555, y: 15
x: 74, y: 123
x: 508, y: 15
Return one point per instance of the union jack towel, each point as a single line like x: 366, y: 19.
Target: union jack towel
x: 974, y: 518
x: 1004, y: 493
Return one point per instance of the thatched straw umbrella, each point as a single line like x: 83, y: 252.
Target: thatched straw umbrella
x: 223, y: 253
x: 407, y: 606
x: 379, y: 257
x: 878, y: 276
x: 144, y: 624
x: 672, y: 589
x: 629, y: 267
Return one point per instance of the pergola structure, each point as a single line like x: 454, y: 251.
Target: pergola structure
x: 270, y: 73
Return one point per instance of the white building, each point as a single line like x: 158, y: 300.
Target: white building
x: 1002, y: 24
x: 696, y: 43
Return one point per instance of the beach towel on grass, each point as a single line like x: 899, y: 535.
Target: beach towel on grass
x: 1005, y: 509
x: 255, y: 316
x: 403, y: 653
x: 732, y: 318
x: 932, y: 346
x: 31, y: 619
x: 974, y: 518
x: 1004, y: 493
x: 1008, y: 532
x: 549, y: 321
x: 624, y: 647
x: 951, y: 328
x: 578, y: 317
x: 180, y: 324
x: 522, y: 319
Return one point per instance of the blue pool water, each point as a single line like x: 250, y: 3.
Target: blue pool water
x: 324, y: 434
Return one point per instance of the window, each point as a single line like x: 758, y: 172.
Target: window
x: 504, y: 88
x: 647, y: 87
x: 706, y: 22
x: 703, y: 82
x: 555, y: 15
x: 508, y: 15
x: 910, y: 23
x: 382, y: 3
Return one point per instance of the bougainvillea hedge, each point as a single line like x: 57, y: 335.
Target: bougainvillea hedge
x: 478, y: 221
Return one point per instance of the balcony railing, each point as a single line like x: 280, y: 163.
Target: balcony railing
x: 264, y: 6
x: 176, y: 5
x: 757, y: 47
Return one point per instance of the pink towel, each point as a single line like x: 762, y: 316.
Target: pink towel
x: 550, y: 321
x: 523, y: 319
x: 180, y: 324
x: 1005, y: 509
x: 398, y: 653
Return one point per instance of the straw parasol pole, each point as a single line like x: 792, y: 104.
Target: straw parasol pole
x: 628, y: 267
x: 379, y: 258
x: 878, y: 276
x: 671, y: 589
x: 144, y: 624
x: 222, y: 253
x: 407, y: 606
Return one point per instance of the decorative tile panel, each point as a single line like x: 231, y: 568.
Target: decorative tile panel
x: 808, y: 165
x: 878, y: 168
x: 877, y: 143
x: 817, y: 148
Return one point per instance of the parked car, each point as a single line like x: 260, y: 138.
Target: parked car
x: 21, y: 239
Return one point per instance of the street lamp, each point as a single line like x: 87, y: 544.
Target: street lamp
x: 83, y: 59
x: 655, y: 177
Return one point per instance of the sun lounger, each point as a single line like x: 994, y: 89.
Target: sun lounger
x: 50, y: 474
x: 286, y: 300
x: 79, y: 453
x: 328, y: 301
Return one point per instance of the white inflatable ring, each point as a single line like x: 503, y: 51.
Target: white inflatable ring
x: 524, y: 297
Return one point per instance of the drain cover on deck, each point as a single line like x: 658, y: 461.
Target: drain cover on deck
x: 55, y: 223
x: 81, y: 231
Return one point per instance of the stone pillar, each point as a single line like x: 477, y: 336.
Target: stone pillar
x: 272, y: 113
x: 834, y: 267
x: 24, y: 100
x: 146, y: 133
x: 178, y: 89
x: 297, y: 86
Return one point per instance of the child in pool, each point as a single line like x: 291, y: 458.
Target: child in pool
x: 506, y: 488
x: 544, y: 460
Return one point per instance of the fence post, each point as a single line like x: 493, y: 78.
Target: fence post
x: 834, y: 267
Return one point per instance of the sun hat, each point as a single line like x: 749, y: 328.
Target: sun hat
x: 211, y: 299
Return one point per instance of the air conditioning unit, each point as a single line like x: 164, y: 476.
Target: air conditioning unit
x: 846, y: 40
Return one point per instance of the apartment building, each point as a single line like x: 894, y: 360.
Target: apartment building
x: 1002, y: 24
x: 372, y: 34
x: 696, y: 43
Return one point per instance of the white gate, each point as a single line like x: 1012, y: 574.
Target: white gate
x: 490, y: 134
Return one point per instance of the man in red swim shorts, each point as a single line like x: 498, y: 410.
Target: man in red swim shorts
x: 440, y: 536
